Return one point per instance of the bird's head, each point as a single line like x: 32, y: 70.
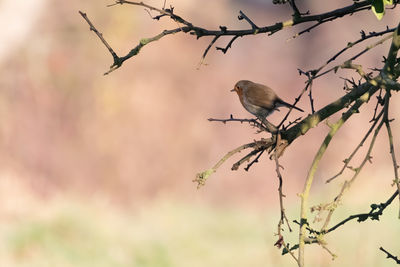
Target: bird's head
x: 240, y: 85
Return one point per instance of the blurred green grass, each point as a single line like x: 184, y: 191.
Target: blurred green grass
x: 174, y: 233
x: 162, y: 234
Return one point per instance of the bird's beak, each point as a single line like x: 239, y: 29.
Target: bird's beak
x: 233, y: 90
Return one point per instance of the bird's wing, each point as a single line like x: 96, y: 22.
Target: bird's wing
x: 260, y: 95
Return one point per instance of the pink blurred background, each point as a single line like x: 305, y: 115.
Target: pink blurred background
x: 142, y: 131
x: 139, y: 135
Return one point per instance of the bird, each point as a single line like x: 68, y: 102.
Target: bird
x: 259, y: 99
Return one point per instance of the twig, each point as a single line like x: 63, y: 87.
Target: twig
x: 229, y: 45
x: 373, y: 214
x: 312, y: 120
x: 390, y: 136
x: 387, y: 73
x: 252, y: 24
x: 310, y: 84
x: 390, y: 256
x: 363, y: 38
x: 369, y: 47
x: 236, y: 165
x: 335, y: 68
x: 207, y: 49
x: 379, y: 102
x: 200, y: 32
x: 252, y: 122
x: 310, y: 177
x: 296, y: 12
x: 305, y: 31
x: 203, y: 176
x: 392, y: 54
x: 283, y: 217
x: 290, y: 123
x: 100, y: 35
x: 357, y: 171
x: 254, y: 160
x: 166, y: 12
x: 347, y: 160
x: 297, y: 99
x: 118, y: 61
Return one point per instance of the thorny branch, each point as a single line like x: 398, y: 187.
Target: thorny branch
x: 348, y: 160
x: 346, y: 186
x: 383, y: 82
x: 311, y: 173
x: 199, y: 32
x: 252, y: 122
x: 374, y: 214
x: 283, y: 218
x: 390, y: 137
x: 257, y: 145
x: 390, y: 256
x: 360, y: 93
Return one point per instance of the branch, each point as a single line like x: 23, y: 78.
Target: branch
x: 252, y: 24
x: 390, y: 256
x: 229, y: 45
x: 208, y: 48
x: 236, y: 166
x: 203, y: 176
x: 346, y: 186
x: 254, y: 160
x: 118, y: 61
x: 347, y: 160
x: 100, y: 35
x: 314, y: 119
x: 387, y: 72
x: 391, y: 146
x: 281, y: 242
x: 392, y: 55
x: 252, y: 122
x: 316, y: 74
x: 374, y: 214
x: 310, y: 177
x: 200, y: 32
x: 363, y: 38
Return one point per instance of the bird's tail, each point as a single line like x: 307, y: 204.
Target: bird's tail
x: 283, y: 103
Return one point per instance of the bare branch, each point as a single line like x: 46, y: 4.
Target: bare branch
x: 118, y: 61
x: 391, y: 146
x: 247, y: 158
x: 390, y: 256
x: 100, y: 35
x: 310, y: 177
x: 348, y: 160
x: 252, y: 24
x: 374, y: 214
x: 252, y: 122
x: 203, y: 176
x: 229, y: 45
x: 200, y: 32
x: 283, y: 218
x: 254, y: 160
x: 208, y: 48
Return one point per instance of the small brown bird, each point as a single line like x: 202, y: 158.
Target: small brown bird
x: 258, y: 99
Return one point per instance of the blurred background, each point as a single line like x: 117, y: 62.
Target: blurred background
x: 97, y: 170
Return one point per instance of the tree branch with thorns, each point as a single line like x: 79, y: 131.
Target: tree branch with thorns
x: 380, y: 81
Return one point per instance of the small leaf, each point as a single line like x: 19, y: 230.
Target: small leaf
x: 378, y: 8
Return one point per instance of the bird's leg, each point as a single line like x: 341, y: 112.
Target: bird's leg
x: 270, y: 127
